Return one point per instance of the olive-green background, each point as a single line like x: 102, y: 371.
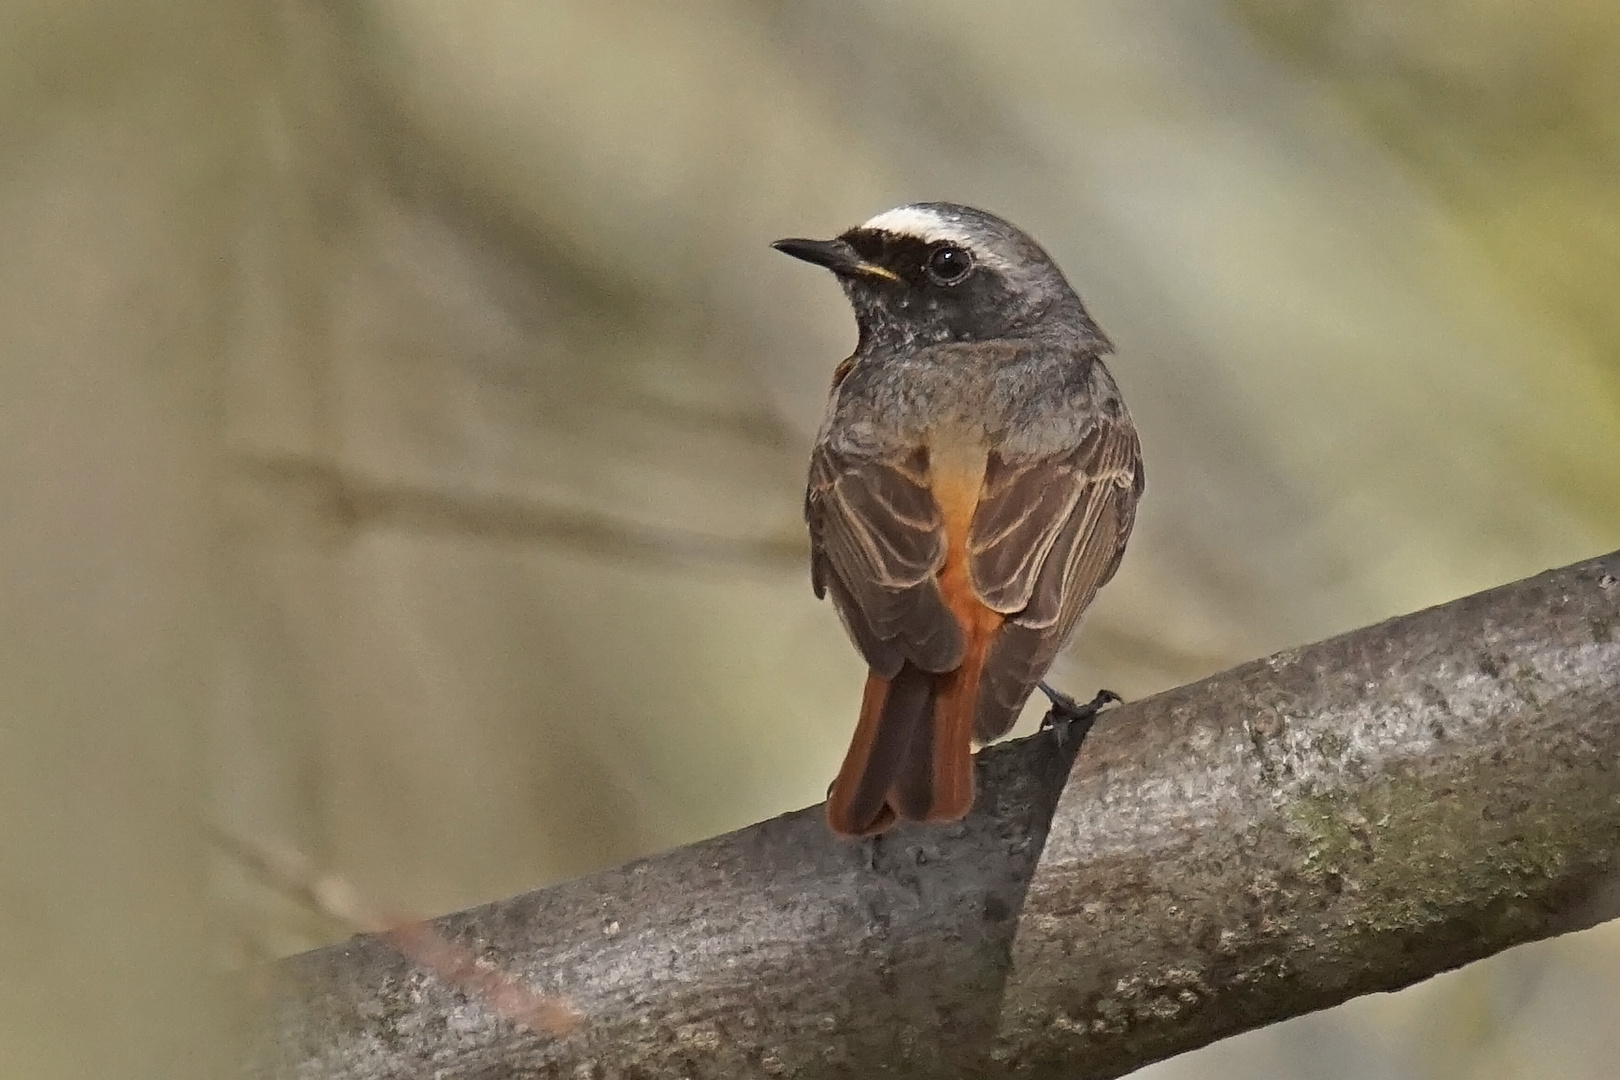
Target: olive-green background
x: 403, y: 422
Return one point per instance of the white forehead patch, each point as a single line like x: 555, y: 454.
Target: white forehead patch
x: 918, y: 221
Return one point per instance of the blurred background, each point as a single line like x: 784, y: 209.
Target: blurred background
x: 403, y: 423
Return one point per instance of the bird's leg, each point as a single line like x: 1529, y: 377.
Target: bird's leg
x: 1068, y: 718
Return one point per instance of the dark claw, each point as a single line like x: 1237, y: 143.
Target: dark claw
x: 1068, y: 718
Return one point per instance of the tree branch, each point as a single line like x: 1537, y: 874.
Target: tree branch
x: 1352, y: 816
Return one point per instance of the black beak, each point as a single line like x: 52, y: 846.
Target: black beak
x: 836, y: 255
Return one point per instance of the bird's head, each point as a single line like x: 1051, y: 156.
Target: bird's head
x: 933, y: 272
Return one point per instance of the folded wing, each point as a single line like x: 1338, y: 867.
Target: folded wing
x: 877, y: 544
x: 1047, y: 534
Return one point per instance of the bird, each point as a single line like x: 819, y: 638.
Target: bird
x: 973, y: 484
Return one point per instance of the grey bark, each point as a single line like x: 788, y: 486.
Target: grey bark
x: 1351, y: 816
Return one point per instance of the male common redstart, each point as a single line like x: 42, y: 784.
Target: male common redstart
x: 972, y: 487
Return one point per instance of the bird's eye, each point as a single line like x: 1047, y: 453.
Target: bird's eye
x: 948, y: 264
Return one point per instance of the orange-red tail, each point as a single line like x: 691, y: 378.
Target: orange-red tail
x: 912, y: 754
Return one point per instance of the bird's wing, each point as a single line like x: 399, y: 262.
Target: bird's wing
x: 877, y: 543
x: 1048, y: 532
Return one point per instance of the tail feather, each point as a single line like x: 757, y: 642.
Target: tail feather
x: 892, y: 712
x: 951, y: 763
x: 911, y: 796
x: 912, y: 754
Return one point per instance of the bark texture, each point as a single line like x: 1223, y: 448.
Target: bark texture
x: 1351, y: 816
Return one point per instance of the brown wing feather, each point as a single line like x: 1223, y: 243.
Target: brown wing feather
x: 1048, y: 533
x: 877, y: 544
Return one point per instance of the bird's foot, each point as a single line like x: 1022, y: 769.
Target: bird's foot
x: 1068, y: 719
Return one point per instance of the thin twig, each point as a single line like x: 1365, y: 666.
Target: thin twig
x: 295, y: 874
